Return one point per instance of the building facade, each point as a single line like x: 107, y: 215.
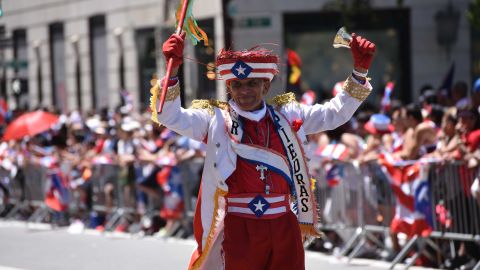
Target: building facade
x: 87, y: 54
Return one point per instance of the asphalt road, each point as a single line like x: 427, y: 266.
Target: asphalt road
x: 25, y: 247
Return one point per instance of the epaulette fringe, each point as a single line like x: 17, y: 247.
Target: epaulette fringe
x: 282, y: 99
x: 209, y: 104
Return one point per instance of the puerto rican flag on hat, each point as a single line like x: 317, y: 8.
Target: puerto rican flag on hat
x: 237, y: 65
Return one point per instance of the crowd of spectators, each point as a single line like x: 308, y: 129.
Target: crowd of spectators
x: 437, y: 127
x: 133, y: 161
x: 138, y: 161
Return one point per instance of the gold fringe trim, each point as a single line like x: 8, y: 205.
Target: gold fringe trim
x: 209, y: 104
x: 213, y: 226
x: 282, y: 99
x: 356, y: 90
x: 154, y: 91
x: 309, y: 231
x: 313, y: 181
x: 172, y: 93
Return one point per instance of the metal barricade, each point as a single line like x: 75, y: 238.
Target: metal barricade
x: 28, y: 188
x: 340, y: 204
x: 450, y: 185
x: 105, y: 180
x: 361, y: 208
x: 456, y: 214
x: 374, y: 207
x: 10, y: 193
x: 190, y: 171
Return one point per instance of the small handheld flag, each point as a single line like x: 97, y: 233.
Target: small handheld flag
x: 386, y: 99
x: 184, y: 17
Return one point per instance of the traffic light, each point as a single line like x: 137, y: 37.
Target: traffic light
x: 1, y: 9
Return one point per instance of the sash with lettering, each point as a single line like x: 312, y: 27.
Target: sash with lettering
x: 293, y: 168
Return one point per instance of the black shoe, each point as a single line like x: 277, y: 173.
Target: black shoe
x: 469, y: 265
x: 456, y: 262
x: 5, y: 210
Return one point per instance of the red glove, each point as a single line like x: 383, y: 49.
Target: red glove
x: 173, y: 48
x: 362, y: 51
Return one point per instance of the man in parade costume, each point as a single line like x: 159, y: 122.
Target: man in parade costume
x: 256, y: 203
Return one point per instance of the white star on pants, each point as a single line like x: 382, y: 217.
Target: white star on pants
x: 259, y: 206
x: 240, y: 70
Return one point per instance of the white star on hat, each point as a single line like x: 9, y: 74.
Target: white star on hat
x: 259, y: 206
x: 240, y: 70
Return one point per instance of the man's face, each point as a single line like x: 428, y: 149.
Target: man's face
x: 248, y: 93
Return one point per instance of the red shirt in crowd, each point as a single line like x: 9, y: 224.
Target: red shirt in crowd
x: 472, y: 140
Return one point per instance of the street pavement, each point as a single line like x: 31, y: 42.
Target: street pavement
x: 40, y: 247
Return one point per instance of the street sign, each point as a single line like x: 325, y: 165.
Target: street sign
x: 253, y: 22
x: 18, y: 64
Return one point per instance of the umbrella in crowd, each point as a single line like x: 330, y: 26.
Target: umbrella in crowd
x: 29, y: 124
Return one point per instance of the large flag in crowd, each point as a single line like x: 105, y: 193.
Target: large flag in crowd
x: 57, y: 193
x: 413, y: 213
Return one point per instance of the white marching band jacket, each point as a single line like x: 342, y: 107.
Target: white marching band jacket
x: 205, y: 121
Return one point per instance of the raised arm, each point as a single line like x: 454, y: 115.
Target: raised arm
x: 192, y: 123
x: 356, y: 89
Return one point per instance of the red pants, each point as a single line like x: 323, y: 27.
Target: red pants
x: 263, y: 244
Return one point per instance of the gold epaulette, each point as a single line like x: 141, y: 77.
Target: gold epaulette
x: 209, y: 104
x: 282, y: 99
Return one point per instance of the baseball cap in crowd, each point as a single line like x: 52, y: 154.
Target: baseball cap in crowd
x: 129, y: 125
x: 379, y: 124
x: 429, y: 97
x: 476, y: 86
x: 308, y: 98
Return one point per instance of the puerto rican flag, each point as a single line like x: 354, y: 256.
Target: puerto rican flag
x: 170, y: 180
x: 260, y: 68
x: 334, y: 173
x: 102, y: 159
x: 333, y: 151
x: 57, y: 196
x: 413, y: 210
x: 386, y: 99
x: 330, y: 154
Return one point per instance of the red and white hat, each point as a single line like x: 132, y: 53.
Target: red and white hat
x: 253, y: 63
x: 379, y: 124
x: 308, y: 98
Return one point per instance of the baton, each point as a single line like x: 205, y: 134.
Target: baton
x: 178, y: 31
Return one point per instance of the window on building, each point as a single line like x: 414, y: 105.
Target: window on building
x: 20, y: 62
x: 3, y: 75
x: 98, y: 56
x: 323, y: 65
x: 475, y: 35
x: 147, y: 64
x: 206, y: 56
x: 57, y: 63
